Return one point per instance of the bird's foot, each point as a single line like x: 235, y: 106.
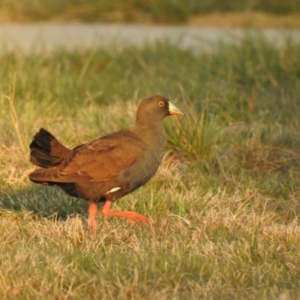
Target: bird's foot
x: 129, y: 215
x: 130, y: 221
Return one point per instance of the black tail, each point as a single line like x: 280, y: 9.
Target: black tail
x: 46, y: 151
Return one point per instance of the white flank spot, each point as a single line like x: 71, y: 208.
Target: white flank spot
x: 113, y: 190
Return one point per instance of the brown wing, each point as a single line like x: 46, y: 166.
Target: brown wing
x: 101, y: 160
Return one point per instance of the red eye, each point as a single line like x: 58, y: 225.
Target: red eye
x: 161, y: 103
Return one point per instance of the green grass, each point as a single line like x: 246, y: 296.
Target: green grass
x: 157, y: 11
x: 226, y: 198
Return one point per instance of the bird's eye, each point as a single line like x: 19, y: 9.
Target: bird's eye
x: 161, y: 103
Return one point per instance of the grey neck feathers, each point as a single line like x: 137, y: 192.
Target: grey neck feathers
x: 153, y: 134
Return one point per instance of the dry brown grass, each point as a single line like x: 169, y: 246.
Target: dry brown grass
x: 226, y: 198
x: 223, y: 244
x: 212, y: 244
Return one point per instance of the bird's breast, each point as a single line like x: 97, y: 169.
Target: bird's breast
x: 136, y: 175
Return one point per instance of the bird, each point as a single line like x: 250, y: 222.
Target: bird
x: 109, y: 167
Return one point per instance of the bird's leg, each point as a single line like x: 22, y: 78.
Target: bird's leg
x: 92, y: 216
x: 130, y: 215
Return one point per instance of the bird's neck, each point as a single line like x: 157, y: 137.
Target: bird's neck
x: 153, y: 134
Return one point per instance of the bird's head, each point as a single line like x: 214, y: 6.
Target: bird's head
x: 156, y: 108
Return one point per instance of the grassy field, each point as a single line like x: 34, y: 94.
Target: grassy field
x: 247, y: 13
x: 226, y: 198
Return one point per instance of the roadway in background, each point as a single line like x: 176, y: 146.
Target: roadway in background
x: 48, y: 36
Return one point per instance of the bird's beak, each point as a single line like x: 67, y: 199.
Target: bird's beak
x: 173, y: 110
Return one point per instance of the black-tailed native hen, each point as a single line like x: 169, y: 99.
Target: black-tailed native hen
x: 110, y: 167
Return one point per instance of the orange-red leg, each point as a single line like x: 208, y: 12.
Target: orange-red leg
x: 92, y: 216
x: 130, y: 215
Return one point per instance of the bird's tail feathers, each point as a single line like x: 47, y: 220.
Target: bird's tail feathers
x: 46, y: 151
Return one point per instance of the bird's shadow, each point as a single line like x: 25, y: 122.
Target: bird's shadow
x: 42, y: 200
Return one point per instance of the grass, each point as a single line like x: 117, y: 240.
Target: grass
x: 249, y: 13
x: 226, y: 198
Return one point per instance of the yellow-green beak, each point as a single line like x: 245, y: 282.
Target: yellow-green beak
x: 173, y: 110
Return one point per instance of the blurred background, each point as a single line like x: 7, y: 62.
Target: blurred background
x: 195, y: 12
x: 226, y: 198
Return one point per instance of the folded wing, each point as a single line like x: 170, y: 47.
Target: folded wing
x: 100, y: 160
